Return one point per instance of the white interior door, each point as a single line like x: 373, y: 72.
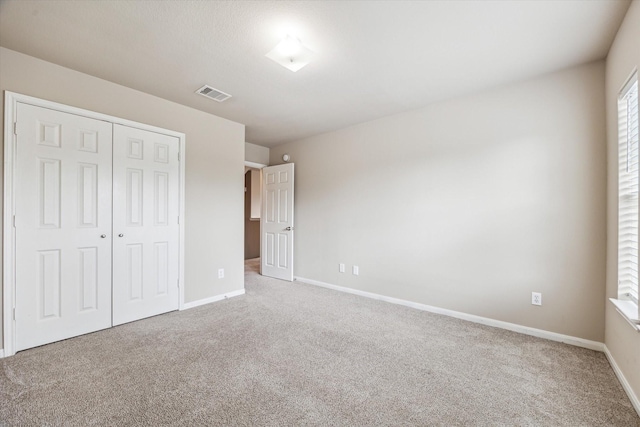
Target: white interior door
x: 276, y: 222
x: 145, y: 224
x: 63, y: 225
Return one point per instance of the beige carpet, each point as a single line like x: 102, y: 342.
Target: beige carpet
x: 289, y: 354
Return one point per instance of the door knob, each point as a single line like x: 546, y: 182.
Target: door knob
x: 120, y: 235
x: 103, y: 236
x: 288, y: 228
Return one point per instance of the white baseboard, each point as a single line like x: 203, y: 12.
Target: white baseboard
x: 1, y: 353
x: 192, y: 304
x: 540, y: 333
x: 625, y: 384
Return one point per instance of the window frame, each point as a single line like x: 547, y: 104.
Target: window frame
x: 628, y: 144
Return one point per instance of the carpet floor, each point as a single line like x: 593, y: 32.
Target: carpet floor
x: 290, y: 354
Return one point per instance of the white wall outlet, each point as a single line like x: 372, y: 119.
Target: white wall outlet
x: 221, y: 273
x: 356, y: 270
x: 341, y: 268
x: 536, y: 298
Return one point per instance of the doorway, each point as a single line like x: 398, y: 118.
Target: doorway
x: 269, y: 208
x: 252, y: 208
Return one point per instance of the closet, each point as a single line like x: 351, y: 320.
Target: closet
x: 97, y: 235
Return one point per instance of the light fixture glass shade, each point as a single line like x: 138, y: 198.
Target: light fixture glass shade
x: 291, y: 54
x: 290, y: 46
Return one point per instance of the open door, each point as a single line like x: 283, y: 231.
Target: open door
x: 276, y: 222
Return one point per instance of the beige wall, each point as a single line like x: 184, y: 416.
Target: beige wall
x: 214, y: 162
x: 256, y: 153
x: 621, y: 340
x: 468, y: 205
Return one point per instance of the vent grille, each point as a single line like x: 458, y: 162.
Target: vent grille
x: 213, y: 93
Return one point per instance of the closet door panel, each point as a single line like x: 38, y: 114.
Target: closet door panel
x: 145, y: 220
x: 63, y: 182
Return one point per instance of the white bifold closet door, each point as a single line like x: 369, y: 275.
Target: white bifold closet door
x: 145, y: 224
x: 63, y: 225
x: 96, y: 217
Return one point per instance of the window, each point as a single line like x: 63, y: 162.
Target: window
x: 628, y: 178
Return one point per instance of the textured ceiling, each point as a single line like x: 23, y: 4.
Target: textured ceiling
x: 372, y: 58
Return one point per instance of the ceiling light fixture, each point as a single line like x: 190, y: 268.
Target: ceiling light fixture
x: 291, y: 54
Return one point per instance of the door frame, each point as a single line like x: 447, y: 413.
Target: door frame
x: 11, y: 100
x: 254, y: 165
x: 258, y: 166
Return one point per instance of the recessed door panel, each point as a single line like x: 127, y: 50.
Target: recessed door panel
x: 49, y: 134
x: 87, y: 195
x: 270, y: 206
x: 270, y: 177
x: 135, y: 148
x: 134, y: 197
x: 88, y: 278
x: 49, y: 193
x: 283, y: 202
x: 161, y: 267
x: 269, y: 254
x: 277, y: 222
x: 134, y: 271
x: 63, y: 208
x: 283, y: 250
x: 49, y: 284
x: 161, y: 198
x: 88, y: 141
x: 145, y: 222
x: 161, y: 153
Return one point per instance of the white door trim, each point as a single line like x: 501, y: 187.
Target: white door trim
x: 254, y: 165
x: 11, y: 99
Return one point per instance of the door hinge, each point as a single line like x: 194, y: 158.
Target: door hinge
x: 14, y: 221
x: 15, y: 128
x: 14, y: 314
x: 178, y: 283
x: 178, y: 156
x: 178, y: 219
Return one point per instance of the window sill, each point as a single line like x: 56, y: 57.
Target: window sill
x: 628, y: 310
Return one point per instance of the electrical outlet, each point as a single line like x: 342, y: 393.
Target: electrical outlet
x: 341, y: 268
x: 221, y: 273
x: 356, y: 270
x: 536, y: 298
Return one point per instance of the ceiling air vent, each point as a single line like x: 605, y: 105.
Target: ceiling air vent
x: 212, y: 93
